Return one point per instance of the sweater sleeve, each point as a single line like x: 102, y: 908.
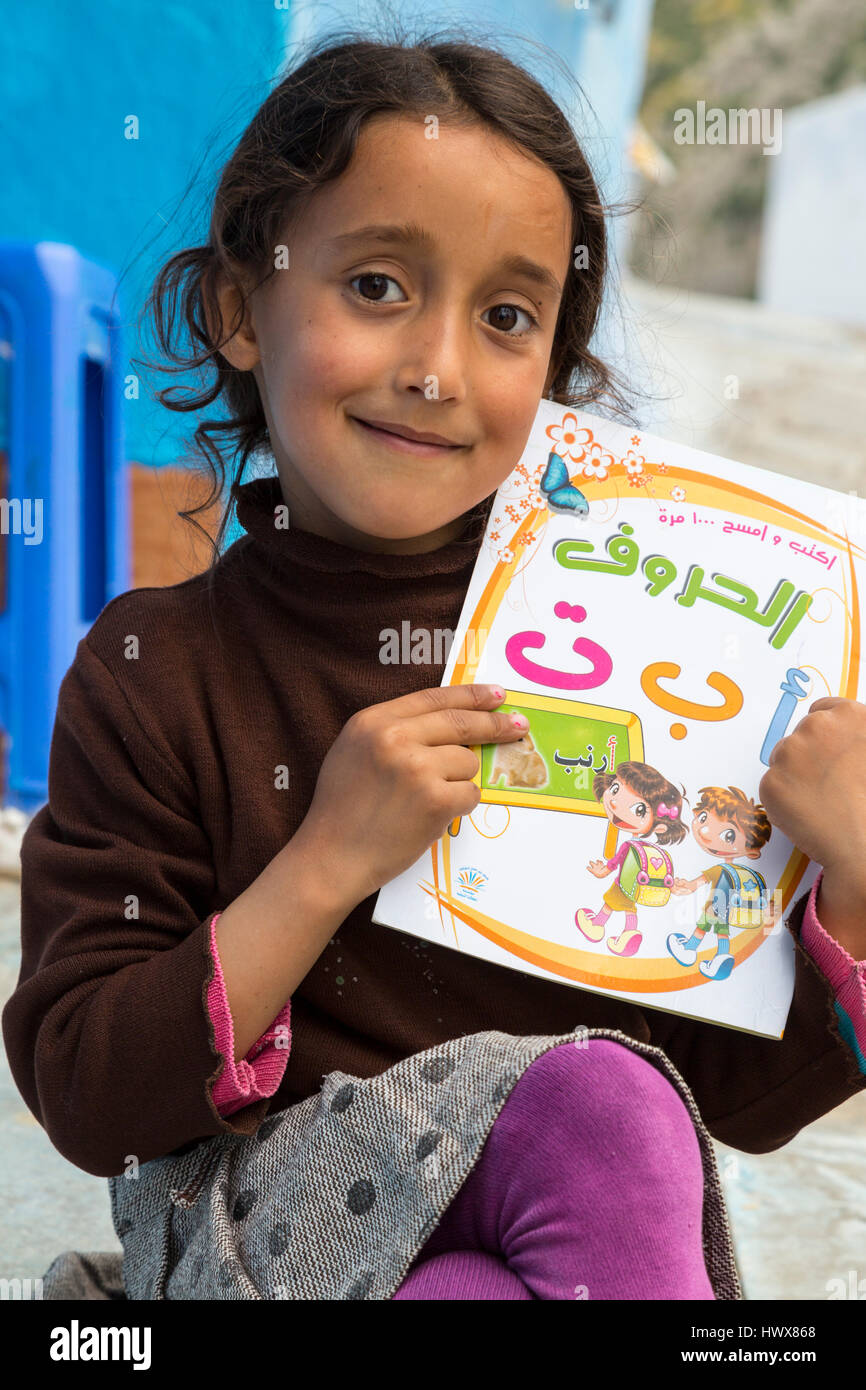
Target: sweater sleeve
x: 846, y: 975
x: 756, y: 1093
x: 620, y: 855
x: 256, y: 1076
x: 107, y: 1033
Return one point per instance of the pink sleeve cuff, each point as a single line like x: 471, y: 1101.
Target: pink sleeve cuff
x: 257, y: 1075
x: 846, y: 975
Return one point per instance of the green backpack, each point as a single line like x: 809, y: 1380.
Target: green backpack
x: 647, y: 874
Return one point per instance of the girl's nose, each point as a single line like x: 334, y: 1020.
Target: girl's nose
x: 437, y: 357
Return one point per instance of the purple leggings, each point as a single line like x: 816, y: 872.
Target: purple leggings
x: 590, y: 1185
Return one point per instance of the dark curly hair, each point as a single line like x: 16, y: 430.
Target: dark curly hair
x: 656, y: 790
x: 303, y: 136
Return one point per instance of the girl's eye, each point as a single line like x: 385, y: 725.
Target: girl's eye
x: 729, y: 837
x: 703, y: 818
x: 639, y: 809
x: 374, y: 298
x: 514, y: 309
x: 373, y: 275
x: 614, y: 788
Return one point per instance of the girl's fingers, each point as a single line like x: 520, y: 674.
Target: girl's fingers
x: 456, y: 763
x: 440, y: 697
x: 464, y: 726
x: 459, y: 714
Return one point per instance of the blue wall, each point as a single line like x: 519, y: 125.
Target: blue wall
x: 193, y: 75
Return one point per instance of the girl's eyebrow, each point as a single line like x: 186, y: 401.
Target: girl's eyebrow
x: 410, y: 234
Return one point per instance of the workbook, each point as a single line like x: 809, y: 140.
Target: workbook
x: 660, y: 617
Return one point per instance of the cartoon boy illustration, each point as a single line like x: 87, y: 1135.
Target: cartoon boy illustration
x: 637, y: 798
x: 727, y: 824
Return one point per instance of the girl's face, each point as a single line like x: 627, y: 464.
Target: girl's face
x: 626, y: 808
x: 443, y: 323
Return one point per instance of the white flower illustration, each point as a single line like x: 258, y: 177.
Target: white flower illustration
x: 572, y: 440
x: 599, y: 462
x: 678, y: 494
x: 634, y: 463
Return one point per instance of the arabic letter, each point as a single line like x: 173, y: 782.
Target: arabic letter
x: 801, y: 605
x: 832, y: 563
x: 776, y: 606
x: 660, y: 572
x: 562, y: 554
x: 728, y: 528
x: 746, y: 598
x: 776, y: 540
x: 624, y: 553
x: 603, y: 767
x: 600, y: 670
x: 795, y: 545
x: 692, y: 587
x: 792, y: 680
x: 732, y: 701
x: 791, y: 693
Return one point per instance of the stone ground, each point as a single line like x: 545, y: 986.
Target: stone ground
x: 799, y: 1214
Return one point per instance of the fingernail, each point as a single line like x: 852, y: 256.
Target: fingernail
x: 520, y: 721
x: 497, y: 692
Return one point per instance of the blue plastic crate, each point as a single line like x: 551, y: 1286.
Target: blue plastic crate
x: 65, y: 545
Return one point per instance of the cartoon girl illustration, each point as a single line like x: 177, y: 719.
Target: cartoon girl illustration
x: 636, y: 798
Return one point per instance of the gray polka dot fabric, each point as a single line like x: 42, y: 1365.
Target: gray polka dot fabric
x: 334, y: 1197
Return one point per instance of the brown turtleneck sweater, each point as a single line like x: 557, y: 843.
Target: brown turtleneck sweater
x: 164, y: 803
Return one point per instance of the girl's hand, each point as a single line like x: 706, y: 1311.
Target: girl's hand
x: 815, y: 793
x: 395, y: 777
x: 815, y: 788
x: 682, y: 885
x: 599, y: 868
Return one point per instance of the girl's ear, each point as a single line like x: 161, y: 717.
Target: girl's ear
x: 241, y: 350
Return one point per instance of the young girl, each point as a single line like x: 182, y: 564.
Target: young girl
x: 639, y: 799
x: 290, y: 1101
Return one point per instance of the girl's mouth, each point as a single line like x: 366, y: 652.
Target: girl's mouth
x: 622, y: 825
x: 404, y: 445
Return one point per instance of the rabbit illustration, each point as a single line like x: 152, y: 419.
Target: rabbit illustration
x: 519, y: 763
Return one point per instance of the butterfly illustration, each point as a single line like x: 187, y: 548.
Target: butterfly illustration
x: 562, y: 496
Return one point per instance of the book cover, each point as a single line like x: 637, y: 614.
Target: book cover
x: 661, y: 616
